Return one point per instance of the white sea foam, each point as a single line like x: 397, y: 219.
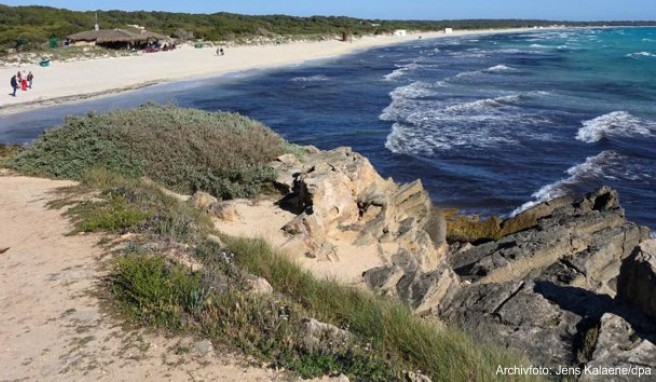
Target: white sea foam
x: 316, y: 78
x: 499, y: 69
x: 593, y: 167
x: 403, y: 100
x: 396, y: 74
x: 617, y: 123
x: 640, y: 54
x: 477, y: 105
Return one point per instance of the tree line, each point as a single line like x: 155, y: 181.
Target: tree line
x: 31, y: 26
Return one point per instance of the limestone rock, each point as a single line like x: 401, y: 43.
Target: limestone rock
x: 322, y: 337
x: 203, y: 201
x: 288, y: 159
x: 339, y: 190
x: 636, y: 285
x: 539, y: 290
x: 258, y: 285
x: 618, y: 345
x: 224, y: 211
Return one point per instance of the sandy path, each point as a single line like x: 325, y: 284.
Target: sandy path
x: 71, y: 81
x: 51, y: 326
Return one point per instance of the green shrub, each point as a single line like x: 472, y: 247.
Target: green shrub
x: 134, y: 206
x: 185, y: 150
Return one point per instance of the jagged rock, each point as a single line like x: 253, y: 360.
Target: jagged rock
x: 203, y: 201
x: 339, y: 191
x: 618, y: 345
x: 224, y: 211
x: 636, y: 284
x: 541, y: 289
x: 258, y: 285
x: 590, y: 237
x: 513, y: 314
x: 318, y: 336
x: 288, y: 159
x: 404, y: 279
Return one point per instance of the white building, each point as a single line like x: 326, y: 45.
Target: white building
x: 400, y: 32
x: 448, y: 30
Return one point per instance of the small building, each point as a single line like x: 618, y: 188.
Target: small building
x: 448, y: 30
x: 400, y: 32
x: 116, y: 38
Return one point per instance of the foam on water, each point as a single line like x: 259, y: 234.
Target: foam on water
x: 641, y: 54
x: 315, y: 78
x: 499, y: 69
x: 593, y: 167
x: 617, y: 123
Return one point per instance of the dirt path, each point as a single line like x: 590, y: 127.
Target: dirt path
x: 51, y: 327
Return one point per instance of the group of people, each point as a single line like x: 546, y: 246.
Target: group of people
x: 24, y: 82
x: 220, y: 52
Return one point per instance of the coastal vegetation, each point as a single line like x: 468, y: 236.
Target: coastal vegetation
x: 31, y: 27
x: 185, y: 150
x: 175, y: 276
x: 170, y: 269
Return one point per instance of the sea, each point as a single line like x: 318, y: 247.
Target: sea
x: 492, y: 124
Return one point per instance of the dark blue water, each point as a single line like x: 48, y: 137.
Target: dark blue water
x: 489, y: 123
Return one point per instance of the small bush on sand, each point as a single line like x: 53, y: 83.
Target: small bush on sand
x: 185, y: 150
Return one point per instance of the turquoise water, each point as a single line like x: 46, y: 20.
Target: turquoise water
x: 489, y: 123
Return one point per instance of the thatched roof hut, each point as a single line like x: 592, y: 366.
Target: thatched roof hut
x: 108, y: 36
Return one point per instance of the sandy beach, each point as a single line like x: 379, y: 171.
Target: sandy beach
x: 64, y: 82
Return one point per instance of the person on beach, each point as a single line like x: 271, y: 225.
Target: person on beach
x: 23, y: 84
x: 221, y: 50
x: 14, y: 85
x: 30, y: 78
x: 19, y: 76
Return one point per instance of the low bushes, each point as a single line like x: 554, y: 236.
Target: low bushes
x: 185, y: 150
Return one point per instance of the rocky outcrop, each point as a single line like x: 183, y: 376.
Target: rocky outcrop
x: 544, y: 289
x: 636, y: 285
x: 339, y: 191
x: 618, y: 346
x: 570, y: 286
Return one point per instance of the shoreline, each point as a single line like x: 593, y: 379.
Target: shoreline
x: 71, y: 82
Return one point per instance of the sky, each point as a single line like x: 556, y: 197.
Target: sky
x: 571, y: 10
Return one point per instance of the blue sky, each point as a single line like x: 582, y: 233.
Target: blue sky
x: 385, y: 9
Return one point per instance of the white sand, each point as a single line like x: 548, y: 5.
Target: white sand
x: 71, y: 81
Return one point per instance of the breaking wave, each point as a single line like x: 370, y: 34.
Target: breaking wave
x: 316, y: 78
x: 499, y: 69
x: 618, y: 123
x: 640, y: 54
x: 593, y: 168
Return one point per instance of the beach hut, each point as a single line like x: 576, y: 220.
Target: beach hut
x: 448, y: 30
x: 116, y: 38
x: 400, y: 32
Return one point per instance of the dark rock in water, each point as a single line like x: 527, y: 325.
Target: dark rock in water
x: 548, y: 290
